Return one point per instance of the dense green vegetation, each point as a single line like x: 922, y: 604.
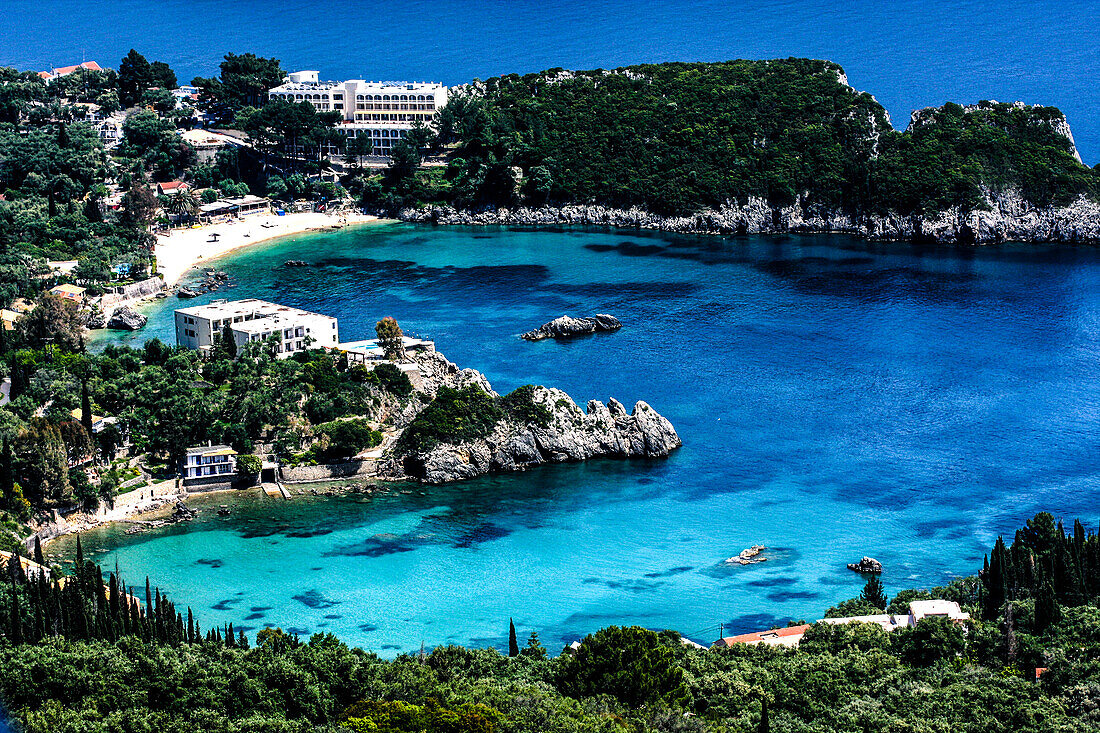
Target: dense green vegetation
x: 167, y: 399
x: 936, y: 676
x: 457, y: 415
x: 677, y: 138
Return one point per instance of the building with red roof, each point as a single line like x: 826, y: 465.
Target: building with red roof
x: 66, y: 70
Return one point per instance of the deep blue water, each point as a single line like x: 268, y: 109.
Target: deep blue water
x: 909, y: 53
x: 835, y: 398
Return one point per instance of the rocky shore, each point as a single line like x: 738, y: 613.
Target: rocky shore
x: 1004, y: 217
x: 570, y: 433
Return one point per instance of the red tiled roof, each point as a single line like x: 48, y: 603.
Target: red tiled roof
x: 64, y: 70
x: 759, y: 635
x: 172, y: 185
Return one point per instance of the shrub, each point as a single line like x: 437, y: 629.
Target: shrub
x: 520, y: 405
x: 390, y: 378
x: 345, y: 438
x: 453, y: 416
x: 249, y: 465
x: 630, y: 663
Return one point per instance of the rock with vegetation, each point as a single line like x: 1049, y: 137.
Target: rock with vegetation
x: 467, y: 429
x: 568, y: 326
x: 127, y: 319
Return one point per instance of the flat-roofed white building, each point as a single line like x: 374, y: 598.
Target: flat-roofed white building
x: 255, y: 320
x: 381, y: 111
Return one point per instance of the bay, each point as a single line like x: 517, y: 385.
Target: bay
x: 836, y: 398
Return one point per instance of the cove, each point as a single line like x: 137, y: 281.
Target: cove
x: 836, y: 399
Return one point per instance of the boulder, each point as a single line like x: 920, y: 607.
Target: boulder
x: 866, y: 565
x: 748, y: 556
x: 126, y: 319
x: 567, y: 327
x: 187, y: 293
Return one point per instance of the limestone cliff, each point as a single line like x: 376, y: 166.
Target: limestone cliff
x: 567, y: 434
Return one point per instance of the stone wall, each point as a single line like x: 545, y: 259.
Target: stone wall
x: 327, y: 471
x: 140, y: 289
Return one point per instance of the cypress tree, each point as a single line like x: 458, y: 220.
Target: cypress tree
x: 7, y: 474
x: 190, y: 627
x: 765, y: 723
x: 86, y: 408
x: 230, y: 636
x: 1010, y: 633
x: 38, y: 557
x: 15, y: 627
x: 513, y: 642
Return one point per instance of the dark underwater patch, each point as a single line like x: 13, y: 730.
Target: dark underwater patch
x: 754, y: 622
x: 783, y: 596
x: 315, y: 599
x: 226, y: 604
x: 214, y: 563
x: 379, y: 545
x: 333, y: 616
x: 306, y: 533
x: 772, y: 582
x: 486, y: 532
x: 670, y: 572
x: 254, y: 616
x: 298, y: 630
x: 367, y: 628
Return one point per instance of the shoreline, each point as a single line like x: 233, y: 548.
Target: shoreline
x: 181, y: 250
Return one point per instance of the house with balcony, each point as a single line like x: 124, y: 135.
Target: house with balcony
x: 209, y: 464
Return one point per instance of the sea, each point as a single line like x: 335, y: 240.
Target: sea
x: 836, y: 398
x: 908, y: 53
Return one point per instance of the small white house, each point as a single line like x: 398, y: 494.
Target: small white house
x: 210, y: 461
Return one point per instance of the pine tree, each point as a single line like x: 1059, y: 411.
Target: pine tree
x: 874, y: 594
x: 513, y: 643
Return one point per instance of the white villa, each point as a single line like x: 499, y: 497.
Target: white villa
x: 255, y: 320
x: 383, y: 111
x: 211, y: 461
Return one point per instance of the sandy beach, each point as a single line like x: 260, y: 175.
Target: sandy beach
x: 182, y: 249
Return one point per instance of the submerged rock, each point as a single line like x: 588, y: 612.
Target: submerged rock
x: 866, y: 565
x: 127, y: 319
x: 567, y: 326
x: 296, y: 263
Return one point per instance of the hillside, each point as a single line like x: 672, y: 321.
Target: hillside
x: 758, y: 145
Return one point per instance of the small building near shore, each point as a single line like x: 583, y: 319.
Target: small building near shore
x: 74, y: 293
x: 212, y: 462
x: 252, y: 320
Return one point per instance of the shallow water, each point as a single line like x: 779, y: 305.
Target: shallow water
x: 836, y: 399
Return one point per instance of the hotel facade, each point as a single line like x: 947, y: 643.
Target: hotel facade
x: 255, y: 320
x: 383, y: 112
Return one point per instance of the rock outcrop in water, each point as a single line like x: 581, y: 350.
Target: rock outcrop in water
x: 567, y: 434
x: 568, y: 326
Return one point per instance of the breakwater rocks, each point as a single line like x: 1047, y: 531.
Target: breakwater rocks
x: 1003, y: 216
x: 567, y: 327
x: 567, y: 434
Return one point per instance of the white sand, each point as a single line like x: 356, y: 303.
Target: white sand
x: 183, y: 249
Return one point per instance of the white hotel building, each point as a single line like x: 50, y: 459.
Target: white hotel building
x: 255, y: 320
x: 382, y: 111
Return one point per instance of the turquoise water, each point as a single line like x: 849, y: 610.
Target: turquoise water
x: 835, y: 398
x: 908, y: 53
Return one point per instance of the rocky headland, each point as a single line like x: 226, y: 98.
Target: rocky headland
x: 568, y: 327
x: 536, y: 425
x: 1004, y: 217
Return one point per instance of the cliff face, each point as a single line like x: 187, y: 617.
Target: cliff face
x: 570, y: 434
x: 1005, y: 216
